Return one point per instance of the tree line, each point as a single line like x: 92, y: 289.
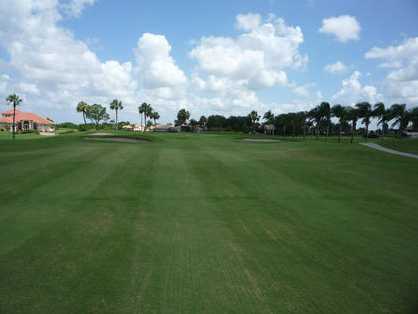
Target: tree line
x: 317, y: 121
x: 97, y: 113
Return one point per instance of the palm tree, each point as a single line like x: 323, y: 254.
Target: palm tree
x: 352, y: 115
x: 400, y: 115
x: 365, y: 112
x: 325, y: 112
x: 155, y: 116
x: 253, y: 117
x: 15, y: 101
x: 116, y: 105
x: 269, y: 117
x: 316, y: 116
x: 380, y: 113
x: 83, y: 107
x: 148, y: 113
x: 339, y: 112
x: 141, y: 110
x: 303, y: 115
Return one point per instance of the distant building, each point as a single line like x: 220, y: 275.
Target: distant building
x: 164, y: 128
x: 26, y: 121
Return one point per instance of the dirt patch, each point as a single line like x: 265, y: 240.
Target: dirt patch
x: 260, y: 140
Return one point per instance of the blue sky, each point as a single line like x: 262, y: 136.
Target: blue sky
x: 208, y: 56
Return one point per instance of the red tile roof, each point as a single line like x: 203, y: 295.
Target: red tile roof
x: 7, y: 117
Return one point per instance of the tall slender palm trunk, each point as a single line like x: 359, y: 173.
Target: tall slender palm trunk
x: 142, y: 124
x: 14, y: 121
x: 84, y: 117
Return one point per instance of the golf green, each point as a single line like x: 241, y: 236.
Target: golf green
x: 206, y: 224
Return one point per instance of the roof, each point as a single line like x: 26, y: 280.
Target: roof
x: 7, y: 117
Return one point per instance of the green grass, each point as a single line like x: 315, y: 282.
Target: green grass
x: 407, y: 145
x: 206, y: 224
x: 24, y: 136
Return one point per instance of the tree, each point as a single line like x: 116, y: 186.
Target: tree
x: 141, y: 110
x: 315, y: 115
x: 269, y: 117
x: 253, y: 117
x: 182, y: 116
x: 216, y: 122
x: 97, y: 113
x: 414, y: 118
x: 83, y: 107
x: 236, y: 123
x: 155, y: 116
x: 15, y: 101
x: 365, y: 112
x: 352, y: 115
x: 116, y: 105
x: 398, y: 113
x: 380, y: 113
x: 194, y: 123
x: 325, y: 113
x: 340, y: 113
x: 148, y: 113
x: 203, y: 121
x: 303, y: 117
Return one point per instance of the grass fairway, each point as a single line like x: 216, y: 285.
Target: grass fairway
x: 206, y: 224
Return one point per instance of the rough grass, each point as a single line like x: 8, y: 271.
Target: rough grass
x: 206, y: 224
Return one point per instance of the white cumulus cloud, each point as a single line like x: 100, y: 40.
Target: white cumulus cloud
x: 402, y: 62
x: 353, y: 91
x: 247, y: 22
x: 157, y: 67
x: 343, y: 27
x: 232, y: 69
x: 337, y: 67
x: 258, y: 56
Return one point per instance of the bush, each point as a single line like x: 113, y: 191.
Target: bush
x: 66, y: 125
x: 86, y: 127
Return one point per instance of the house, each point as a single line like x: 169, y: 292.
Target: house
x: 163, y: 127
x: 133, y: 127
x: 269, y: 129
x: 26, y: 121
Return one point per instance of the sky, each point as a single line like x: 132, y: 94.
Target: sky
x: 210, y: 57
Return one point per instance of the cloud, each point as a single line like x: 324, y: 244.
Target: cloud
x: 352, y: 91
x: 53, y: 70
x: 343, y: 27
x: 258, y: 56
x: 157, y: 67
x: 74, y: 8
x: 38, y: 46
x: 337, y: 67
x: 4, y: 83
x: 402, y: 63
x: 231, y: 70
x: 248, y: 22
